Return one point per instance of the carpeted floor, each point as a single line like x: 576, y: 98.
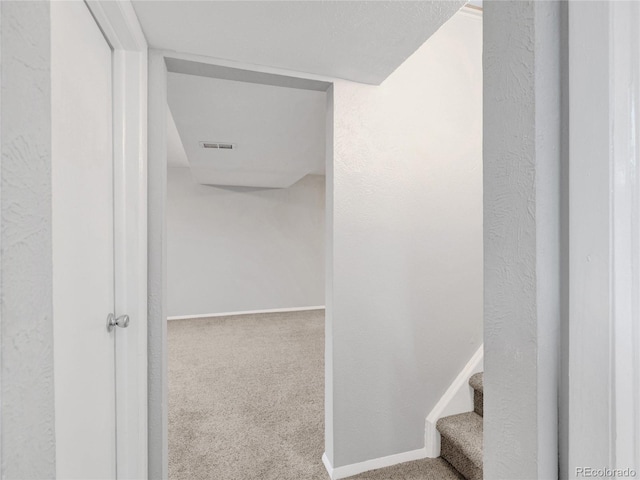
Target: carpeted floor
x: 246, y: 401
x: 246, y: 397
x: 426, y: 469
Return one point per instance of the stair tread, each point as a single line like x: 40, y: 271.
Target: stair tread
x: 424, y: 469
x: 476, y: 382
x: 465, y: 432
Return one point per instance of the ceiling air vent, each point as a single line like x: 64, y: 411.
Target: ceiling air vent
x: 218, y: 145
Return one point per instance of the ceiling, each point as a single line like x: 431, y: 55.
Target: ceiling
x: 278, y: 133
x: 363, y: 41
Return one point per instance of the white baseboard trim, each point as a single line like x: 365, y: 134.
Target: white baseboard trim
x: 471, y: 10
x: 327, y: 465
x: 248, y: 312
x: 356, y: 468
x: 457, y: 399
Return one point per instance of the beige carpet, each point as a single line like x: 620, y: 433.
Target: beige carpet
x: 246, y: 401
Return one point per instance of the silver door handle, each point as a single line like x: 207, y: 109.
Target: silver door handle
x: 122, y: 321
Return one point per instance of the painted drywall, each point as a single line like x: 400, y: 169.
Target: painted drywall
x: 157, y: 268
x: 176, y: 156
x: 360, y: 41
x: 26, y: 307
x: 522, y: 158
x: 277, y: 133
x: 328, y: 283
x: 241, y: 249
x: 406, y: 302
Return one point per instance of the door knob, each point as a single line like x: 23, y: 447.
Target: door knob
x: 122, y: 321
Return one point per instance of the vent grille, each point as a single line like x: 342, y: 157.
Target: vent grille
x: 218, y: 145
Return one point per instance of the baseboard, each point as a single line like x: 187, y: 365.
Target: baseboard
x: 327, y: 465
x: 457, y: 399
x: 356, y: 468
x: 248, y: 312
x: 471, y: 10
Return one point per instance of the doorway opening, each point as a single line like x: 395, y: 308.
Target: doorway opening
x: 245, y: 225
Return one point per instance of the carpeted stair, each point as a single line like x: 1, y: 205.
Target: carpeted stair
x: 461, y: 436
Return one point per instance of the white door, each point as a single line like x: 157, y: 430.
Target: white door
x: 83, y: 244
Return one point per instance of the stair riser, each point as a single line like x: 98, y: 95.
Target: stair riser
x: 459, y: 460
x: 478, y: 401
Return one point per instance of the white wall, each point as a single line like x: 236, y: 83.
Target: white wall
x: 522, y: 162
x: 406, y: 300
x: 157, y: 266
x: 240, y: 249
x: 26, y: 308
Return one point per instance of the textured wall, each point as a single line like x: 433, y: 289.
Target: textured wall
x: 521, y: 238
x: 328, y: 283
x: 157, y: 269
x: 241, y: 249
x: 27, y: 420
x: 406, y: 302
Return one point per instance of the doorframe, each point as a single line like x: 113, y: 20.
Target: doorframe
x: 618, y: 349
x: 157, y: 195
x: 120, y: 26
x: 603, y: 405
